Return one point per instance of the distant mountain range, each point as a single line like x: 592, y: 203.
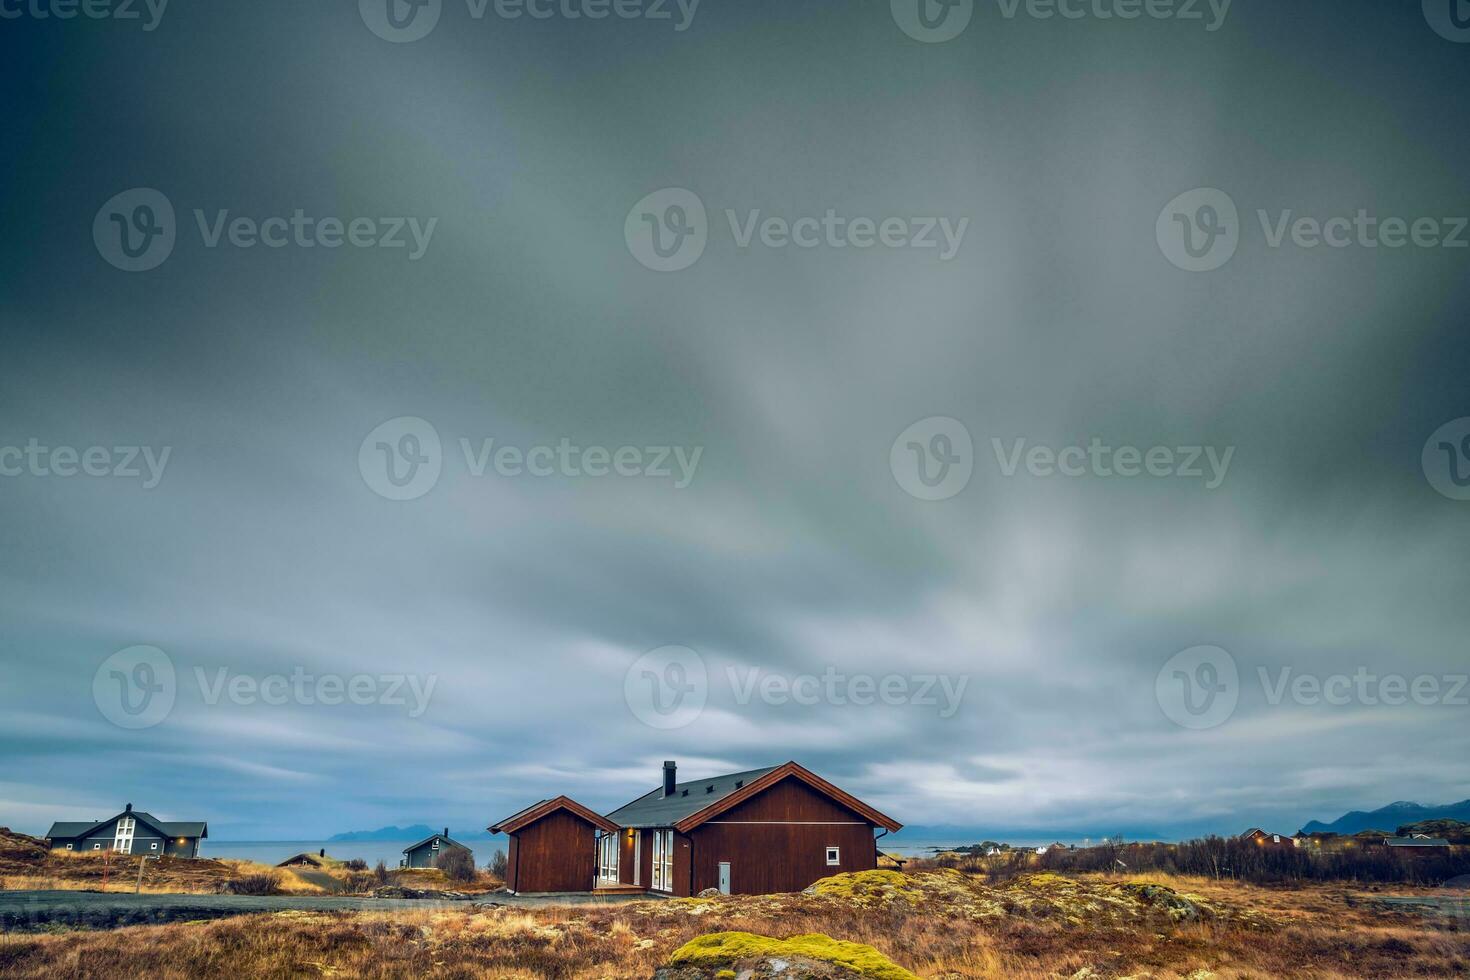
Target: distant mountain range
x: 1389, y: 818
x: 417, y: 831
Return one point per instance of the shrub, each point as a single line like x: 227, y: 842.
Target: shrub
x: 456, y: 863
x: 499, y: 864
x: 263, y: 883
x: 380, y: 873
x: 356, y: 864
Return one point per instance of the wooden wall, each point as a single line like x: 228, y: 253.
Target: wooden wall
x: 557, y: 853
x: 775, y: 841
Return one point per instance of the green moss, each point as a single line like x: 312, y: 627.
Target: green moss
x: 867, y: 885
x: 726, y: 975
x: 729, y: 947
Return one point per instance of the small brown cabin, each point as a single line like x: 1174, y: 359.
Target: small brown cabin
x: 553, y: 846
x: 758, y: 832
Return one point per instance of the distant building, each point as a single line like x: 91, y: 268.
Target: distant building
x: 129, y: 832
x: 1418, y: 840
x: 427, y: 851
x: 1258, y: 836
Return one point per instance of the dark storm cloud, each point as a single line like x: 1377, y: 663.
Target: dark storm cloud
x: 793, y: 552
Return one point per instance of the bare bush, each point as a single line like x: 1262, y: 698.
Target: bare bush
x: 263, y: 883
x: 457, y: 864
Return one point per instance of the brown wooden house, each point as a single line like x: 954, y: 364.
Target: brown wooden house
x: 553, y: 846
x: 768, y: 830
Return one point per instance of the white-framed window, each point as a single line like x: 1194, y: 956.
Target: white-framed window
x: 607, y: 857
x: 663, y: 860
x: 123, y: 838
x: 153, y: 846
x: 96, y: 847
x: 68, y: 847
x: 434, y: 846
x: 834, y: 856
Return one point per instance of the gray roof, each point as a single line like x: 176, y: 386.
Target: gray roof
x: 433, y: 837
x: 68, y: 829
x: 1416, y: 842
x: 653, y: 809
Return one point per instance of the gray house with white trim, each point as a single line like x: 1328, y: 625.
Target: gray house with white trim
x: 425, y: 852
x: 129, y: 832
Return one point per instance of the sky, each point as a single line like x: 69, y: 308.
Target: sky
x: 366, y: 458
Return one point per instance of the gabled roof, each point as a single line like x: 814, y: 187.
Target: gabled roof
x: 545, y: 808
x: 68, y: 829
x: 1416, y: 841
x: 444, y: 837
x: 654, y: 809
x: 700, y: 800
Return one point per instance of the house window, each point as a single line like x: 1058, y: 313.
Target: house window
x: 68, y: 847
x: 153, y: 846
x: 607, y: 857
x: 834, y: 856
x: 434, y: 846
x: 96, y: 847
x: 123, y: 839
x: 663, y: 860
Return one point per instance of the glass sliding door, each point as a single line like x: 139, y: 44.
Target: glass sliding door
x: 663, y: 860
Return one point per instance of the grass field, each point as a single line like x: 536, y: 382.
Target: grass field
x: 26, y: 865
x: 936, y: 924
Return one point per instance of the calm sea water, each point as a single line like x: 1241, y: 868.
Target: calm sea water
x: 390, y: 852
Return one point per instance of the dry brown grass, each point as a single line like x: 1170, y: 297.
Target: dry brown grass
x: 934, y: 925
x: 26, y: 865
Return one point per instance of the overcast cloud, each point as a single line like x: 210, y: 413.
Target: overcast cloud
x: 1039, y: 609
